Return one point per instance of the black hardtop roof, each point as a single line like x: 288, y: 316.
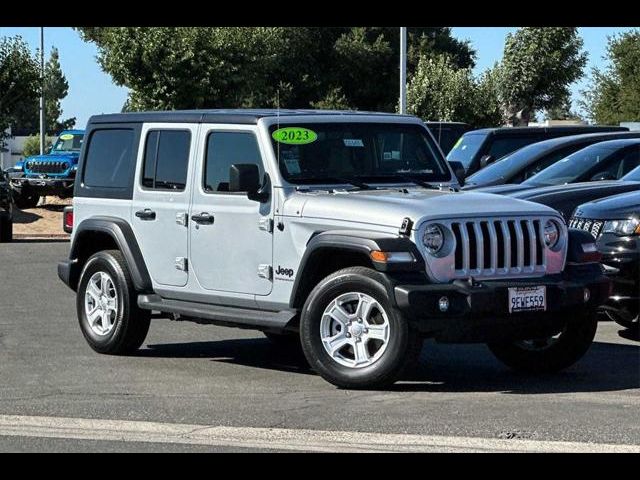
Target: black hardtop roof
x: 241, y: 116
x: 554, y: 128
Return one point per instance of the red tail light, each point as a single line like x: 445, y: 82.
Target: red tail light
x: 67, y: 219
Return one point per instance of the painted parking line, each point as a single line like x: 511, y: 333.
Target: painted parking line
x: 278, y: 438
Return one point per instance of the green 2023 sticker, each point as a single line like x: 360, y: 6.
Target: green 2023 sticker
x: 294, y: 135
x: 66, y: 136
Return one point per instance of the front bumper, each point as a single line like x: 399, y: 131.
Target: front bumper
x: 479, y: 312
x: 44, y: 185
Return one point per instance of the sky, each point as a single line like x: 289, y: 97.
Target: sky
x: 91, y: 91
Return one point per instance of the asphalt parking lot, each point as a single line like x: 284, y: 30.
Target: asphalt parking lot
x: 230, y: 385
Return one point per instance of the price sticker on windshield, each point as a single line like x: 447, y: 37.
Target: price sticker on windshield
x: 66, y: 136
x: 294, y: 135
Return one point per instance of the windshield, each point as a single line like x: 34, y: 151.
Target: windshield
x: 505, y: 167
x: 316, y: 153
x: 466, y: 148
x: 69, y: 142
x: 571, y: 168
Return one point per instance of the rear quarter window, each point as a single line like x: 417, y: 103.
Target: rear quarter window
x: 109, y: 161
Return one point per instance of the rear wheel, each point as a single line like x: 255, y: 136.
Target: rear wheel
x: 352, y: 335
x: 106, y: 302
x: 6, y: 229
x: 549, y: 354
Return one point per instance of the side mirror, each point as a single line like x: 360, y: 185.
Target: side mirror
x: 458, y: 171
x: 602, y: 176
x: 245, y: 177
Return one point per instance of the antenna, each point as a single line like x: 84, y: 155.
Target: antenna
x: 278, y: 122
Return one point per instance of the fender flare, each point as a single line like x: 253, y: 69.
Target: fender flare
x: 122, y: 233
x: 356, y: 241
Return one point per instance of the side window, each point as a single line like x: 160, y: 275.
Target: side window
x: 166, y: 159
x: 502, y: 146
x: 549, y: 160
x: 631, y: 161
x: 110, y: 160
x: 223, y: 150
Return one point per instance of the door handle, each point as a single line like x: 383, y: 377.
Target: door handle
x: 203, y: 219
x: 146, y: 214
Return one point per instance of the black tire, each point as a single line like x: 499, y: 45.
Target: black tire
x: 131, y: 324
x: 630, y: 321
x: 6, y: 230
x: 289, y: 341
x: 569, y: 347
x: 27, y: 200
x: 402, y: 349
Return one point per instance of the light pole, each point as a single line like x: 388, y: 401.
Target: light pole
x: 403, y: 70
x: 41, y: 90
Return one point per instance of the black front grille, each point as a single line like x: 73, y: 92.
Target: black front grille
x: 46, y: 167
x: 594, y: 227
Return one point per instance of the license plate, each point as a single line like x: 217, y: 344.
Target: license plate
x: 527, y: 299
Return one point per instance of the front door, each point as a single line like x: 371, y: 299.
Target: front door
x: 161, y: 200
x: 231, y: 239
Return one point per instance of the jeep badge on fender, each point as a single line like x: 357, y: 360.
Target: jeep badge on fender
x: 358, y: 294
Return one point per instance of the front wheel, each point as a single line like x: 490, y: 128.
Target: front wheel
x: 549, y: 354
x: 109, y: 316
x: 352, y: 335
x: 27, y: 200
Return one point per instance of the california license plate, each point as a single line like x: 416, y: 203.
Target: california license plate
x: 527, y: 299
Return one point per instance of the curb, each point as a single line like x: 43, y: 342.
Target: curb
x: 41, y: 236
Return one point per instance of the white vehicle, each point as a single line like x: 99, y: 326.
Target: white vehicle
x: 342, y: 231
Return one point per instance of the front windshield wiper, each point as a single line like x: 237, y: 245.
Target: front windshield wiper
x: 350, y: 180
x: 416, y: 181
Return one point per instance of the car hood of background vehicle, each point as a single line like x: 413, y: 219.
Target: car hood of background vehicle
x: 54, y: 157
x: 502, y: 189
x: 389, y: 207
x: 617, y: 207
x: 614, y: 186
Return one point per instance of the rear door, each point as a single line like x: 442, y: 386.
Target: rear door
x: 161, y: 198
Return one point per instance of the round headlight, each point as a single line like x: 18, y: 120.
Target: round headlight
x: 433, y: 239
x: 551, y: 234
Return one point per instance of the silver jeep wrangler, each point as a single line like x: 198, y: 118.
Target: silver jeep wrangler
x: 342, y: 232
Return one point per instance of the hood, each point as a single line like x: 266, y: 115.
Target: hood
x: 618, y: 207
x: 570, y: 188
x: 502, y: 189
x: 390, y: 207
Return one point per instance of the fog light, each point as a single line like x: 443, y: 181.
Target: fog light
x: 587, y: 295
x: 443, y: 304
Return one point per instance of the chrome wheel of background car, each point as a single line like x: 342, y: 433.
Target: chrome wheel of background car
x: 101, y: 303
x: 354, y: 330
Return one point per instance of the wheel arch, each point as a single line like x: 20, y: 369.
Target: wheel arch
x: 105, y: 233
x: 330, y: 251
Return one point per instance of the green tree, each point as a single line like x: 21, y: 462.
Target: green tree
x: 19, y: 82
x: 613, y: 95
x: 293, y: 67
x: 562, y: 111
x: 538, y: 66
x: 440, y: 91
x: 56, y: 89
x: 31, y: 145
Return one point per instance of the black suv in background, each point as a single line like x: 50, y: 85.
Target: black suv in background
x: 6, y: 212
x: 478, y: 148
x: 447, y: 133
x: 615, y: 223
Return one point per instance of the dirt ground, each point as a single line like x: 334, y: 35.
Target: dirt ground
x: 44, y: 221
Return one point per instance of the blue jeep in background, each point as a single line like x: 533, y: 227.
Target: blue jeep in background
x: 50, y: 174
